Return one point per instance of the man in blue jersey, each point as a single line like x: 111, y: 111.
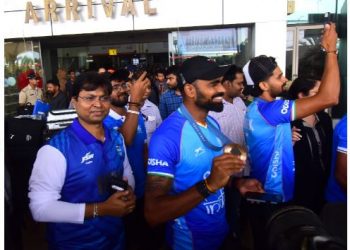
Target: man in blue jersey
x: 187, y: 170
x: 334, y: 214
x: 337, y: 183
x: 70, y: 185
x: 267, y: 122
x: 125, y: 116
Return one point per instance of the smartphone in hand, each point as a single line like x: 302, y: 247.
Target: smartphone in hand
x: 269, y: 198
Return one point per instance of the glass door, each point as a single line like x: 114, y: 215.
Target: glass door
x: 303, y: 43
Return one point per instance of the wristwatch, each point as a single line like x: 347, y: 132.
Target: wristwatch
x: 203, y: 189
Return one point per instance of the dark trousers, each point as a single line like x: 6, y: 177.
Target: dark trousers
x: 139, y: 235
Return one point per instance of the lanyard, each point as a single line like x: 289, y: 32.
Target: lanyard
x: 211, y: 127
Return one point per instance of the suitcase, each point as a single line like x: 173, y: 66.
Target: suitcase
x: 60, y: 119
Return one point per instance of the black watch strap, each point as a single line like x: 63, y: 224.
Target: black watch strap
x: 203, y: 189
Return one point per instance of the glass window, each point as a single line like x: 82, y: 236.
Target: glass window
x: 225, y: 46
x: 20, y: 59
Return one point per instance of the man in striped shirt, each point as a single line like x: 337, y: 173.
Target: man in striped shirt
x: 232, y: 117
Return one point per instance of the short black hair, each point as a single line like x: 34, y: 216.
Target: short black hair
x: 300, y: 85
x: 53, y: 82
x: 90, y: 81
x: 120, y: 75
x: 230, y: 74
x: 175, y: 70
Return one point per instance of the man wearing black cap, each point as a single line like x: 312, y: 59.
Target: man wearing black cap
x: 31, y: 92
x: 187, y: 170
x: 267, y: 122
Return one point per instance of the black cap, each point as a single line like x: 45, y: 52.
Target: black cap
x: 31, y: 76
x: 201, y: 68
x: 259, y: 69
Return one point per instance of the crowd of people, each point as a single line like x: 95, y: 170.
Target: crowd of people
x: 143, y: 164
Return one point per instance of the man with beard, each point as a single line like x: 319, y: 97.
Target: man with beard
x: 70, y: 185
x: 171, y: 99
x: 55, y: 96
x: 128, y: 120
x: 125, y: 116
x: 232, y: 116
x: 267, y: 123
x: 187, y: 169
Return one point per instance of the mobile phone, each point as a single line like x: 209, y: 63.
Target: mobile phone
x: 118, y: 185
x: 270, y: 198
x: 327, y: 18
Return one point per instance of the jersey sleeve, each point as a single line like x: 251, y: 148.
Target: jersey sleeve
x: 163, y: 153
x: 342, y: 143
x: 278, y: 111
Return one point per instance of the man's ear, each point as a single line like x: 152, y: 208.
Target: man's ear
x: 264, y: 86
x: 190, y: 90
x: 300, y: 95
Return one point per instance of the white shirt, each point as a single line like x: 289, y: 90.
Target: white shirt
x: 153, y: 118
x: 231, y: 122
x: 45, y: 185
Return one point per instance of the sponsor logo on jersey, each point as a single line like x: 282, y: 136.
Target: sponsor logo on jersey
x: 198, y: 151
x: 119, y: 150
x: 156, y: 162
x: 275, y: 164
x: 87, y: 158
x: 285, y: 107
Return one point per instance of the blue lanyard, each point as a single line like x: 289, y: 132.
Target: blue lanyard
x: 211, y: 127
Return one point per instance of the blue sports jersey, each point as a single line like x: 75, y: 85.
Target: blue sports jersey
x: 177, y: 152
x: 90, y: 165
x: 334, y: 193
x: 269, y: 140
x: 135, y: 152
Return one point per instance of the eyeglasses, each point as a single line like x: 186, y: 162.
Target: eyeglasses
x: 118, y: 87
x: 92, y: 99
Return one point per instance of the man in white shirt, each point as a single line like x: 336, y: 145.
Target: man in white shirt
x: 232, y: 117
x: 151, y: 115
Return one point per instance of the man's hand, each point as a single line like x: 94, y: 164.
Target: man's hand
x: 138, y: 88
x: 248, y: 185
x: 223, y: 167
x: 329, y: 38
x: 118, y: 204
x: 296, y: 136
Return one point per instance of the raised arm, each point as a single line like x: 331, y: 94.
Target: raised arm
x: 328, y: 93
x: 137, y: 91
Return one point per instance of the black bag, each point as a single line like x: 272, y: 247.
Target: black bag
x: 23, y: 138
x: 27, y: 109
x: 24, y: 133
